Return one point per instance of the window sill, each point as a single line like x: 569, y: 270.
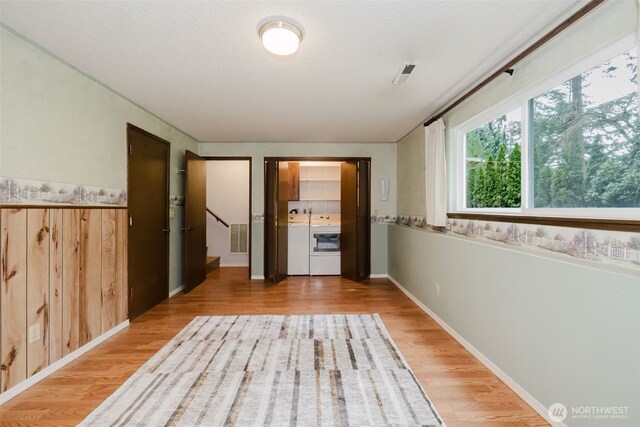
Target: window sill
x: 610, y: 224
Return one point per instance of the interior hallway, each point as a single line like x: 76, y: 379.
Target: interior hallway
x: 462, y: 389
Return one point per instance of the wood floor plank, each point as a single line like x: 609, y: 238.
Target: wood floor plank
x: 38, y: 230
x: 13, y: 284
x: 462, y: 395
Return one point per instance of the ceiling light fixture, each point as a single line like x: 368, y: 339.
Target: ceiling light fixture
x: 280, y: 37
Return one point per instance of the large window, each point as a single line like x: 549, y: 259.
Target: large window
x: 586, y: 151
x: 572, y: 147
x: 493, y: 163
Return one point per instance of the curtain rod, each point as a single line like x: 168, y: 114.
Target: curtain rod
x: 508, y: 67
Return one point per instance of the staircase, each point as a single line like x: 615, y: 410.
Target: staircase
x: 213, y: 262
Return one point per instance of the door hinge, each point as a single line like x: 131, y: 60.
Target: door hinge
x: 130, y: 149
x: 130, y: 291
x: 130, y: 221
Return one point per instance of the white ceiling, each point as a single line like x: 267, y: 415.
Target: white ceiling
x: 200, y: 65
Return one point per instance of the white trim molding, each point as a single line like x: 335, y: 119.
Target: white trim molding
x: 176, y: 291
x: 378, y: 276
x: 510, y: 382
x: 257, y: 277
x: 19, y: 388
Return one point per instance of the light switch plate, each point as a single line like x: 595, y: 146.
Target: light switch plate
x: 34, y: 333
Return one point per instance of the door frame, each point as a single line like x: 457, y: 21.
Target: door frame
x: 322, y: 159
x: 250, y: 160
x: 132, y: 127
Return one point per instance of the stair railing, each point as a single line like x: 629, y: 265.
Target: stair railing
x: 218, y: 218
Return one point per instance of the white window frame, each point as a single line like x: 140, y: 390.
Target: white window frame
x: 521, y: 100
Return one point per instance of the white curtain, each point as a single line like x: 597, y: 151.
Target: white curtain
x: 638, y: 38
x: 435, y: 174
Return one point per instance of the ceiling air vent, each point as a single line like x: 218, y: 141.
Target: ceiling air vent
x: 404, y: 73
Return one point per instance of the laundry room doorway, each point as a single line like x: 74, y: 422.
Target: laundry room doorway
x: 228, y: 207
x: 317, y: 217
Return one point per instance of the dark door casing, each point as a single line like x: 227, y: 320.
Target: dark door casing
x: 283, y: 221
x: 195, y: 225
x: 355, y: 212
x: 148, y: 234
x: 276, y: 190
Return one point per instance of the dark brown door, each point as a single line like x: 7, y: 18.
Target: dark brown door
x: 148, y: 201
x: 195, y: 224
x: 283, y: 220
x: 276, y: 199
x: 355, y: 241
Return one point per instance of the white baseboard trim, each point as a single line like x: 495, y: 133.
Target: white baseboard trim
x: 378, y: 276
x: 14, y: 391
x: 524, y: 395
x: 176, y: 291
x: 234, y: 265
x: 257, y: 277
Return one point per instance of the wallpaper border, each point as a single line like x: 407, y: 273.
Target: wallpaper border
x: 18, y: 191
x: 602, y: 247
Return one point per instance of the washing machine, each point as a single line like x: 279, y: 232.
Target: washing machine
x: 298, y: 250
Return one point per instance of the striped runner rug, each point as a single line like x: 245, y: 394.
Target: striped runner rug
x: 308, y: 370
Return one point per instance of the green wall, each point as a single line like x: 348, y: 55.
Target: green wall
x: 59, y: 125
x: 564, y: 330
x: 411, y: 174
x: 383, y: 165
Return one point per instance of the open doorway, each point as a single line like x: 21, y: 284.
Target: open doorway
x: 314, y: 218
x: 228, y: 206
x: 317, y: 217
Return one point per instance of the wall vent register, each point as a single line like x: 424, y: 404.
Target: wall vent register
x: 239, y: 239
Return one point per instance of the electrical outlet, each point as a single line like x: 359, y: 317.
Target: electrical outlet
x: 437, y: 288
x: 34, y: 333
x: 448, y: 226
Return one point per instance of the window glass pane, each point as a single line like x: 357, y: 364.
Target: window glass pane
x: 585, y: 133
x: 493, y: 163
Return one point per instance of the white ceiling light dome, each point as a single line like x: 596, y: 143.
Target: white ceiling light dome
x: 280, y: 37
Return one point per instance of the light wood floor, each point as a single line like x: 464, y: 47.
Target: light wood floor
x: 463, y: 390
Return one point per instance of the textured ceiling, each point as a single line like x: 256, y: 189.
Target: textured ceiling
x: 200, y: 66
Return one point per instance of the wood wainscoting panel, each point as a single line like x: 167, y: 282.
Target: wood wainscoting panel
x: 13, y: 246
x: 109, y: 290
x: 90, y: 287
x: 55, y: 285
x: 37, y: 289
x: 70, y: 279
x: 122, y: 283
x: 63, y: 271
